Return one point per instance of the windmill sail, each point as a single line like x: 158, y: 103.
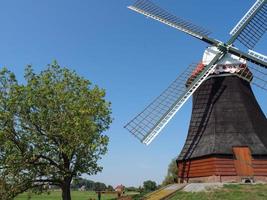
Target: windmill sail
x: 143, y: 123
x: 252, y: 26
x: 149, y: 9
x: 147, y: 125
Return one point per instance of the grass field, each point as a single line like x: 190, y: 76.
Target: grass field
x: 228, y: 192
x: 56, y: 195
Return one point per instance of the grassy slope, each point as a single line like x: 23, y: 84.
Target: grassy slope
x: 56, y: 195
x: 228, y: 192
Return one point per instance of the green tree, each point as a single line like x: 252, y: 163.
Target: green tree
x: 172, y: 173
x: 99, y: 186
x: 51, y: 128
x: 110, y: 188
x: 77, y: 183
x: 149, y: 185
x: 132, y: 189
x: 9, y: 191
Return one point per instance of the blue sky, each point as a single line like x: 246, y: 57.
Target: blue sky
x: 132, y: 57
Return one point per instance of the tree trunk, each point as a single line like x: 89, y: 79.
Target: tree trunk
x: 66, y: 189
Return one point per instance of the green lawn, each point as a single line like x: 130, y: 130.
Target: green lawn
x: 56, y: 195
x: 228, y: 192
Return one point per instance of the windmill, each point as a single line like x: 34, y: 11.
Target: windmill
x: 227, y: 137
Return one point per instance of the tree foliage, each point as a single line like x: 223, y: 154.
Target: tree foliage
x: 89, y: 185
x: 172, y: 173
x: 78, y: 183
x: 132, y: 189
x: 51, y: 128
x: 149, y: 185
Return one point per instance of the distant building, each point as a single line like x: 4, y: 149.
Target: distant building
x: 82, y: 189
x: 120, y: 189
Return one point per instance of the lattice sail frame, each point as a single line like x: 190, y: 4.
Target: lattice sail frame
x: 146, y: 120
x: 143, y: 123
x: 151, y: 10
x: 255, y: 27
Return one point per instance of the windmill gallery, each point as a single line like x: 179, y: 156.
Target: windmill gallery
x: 227, y: 137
